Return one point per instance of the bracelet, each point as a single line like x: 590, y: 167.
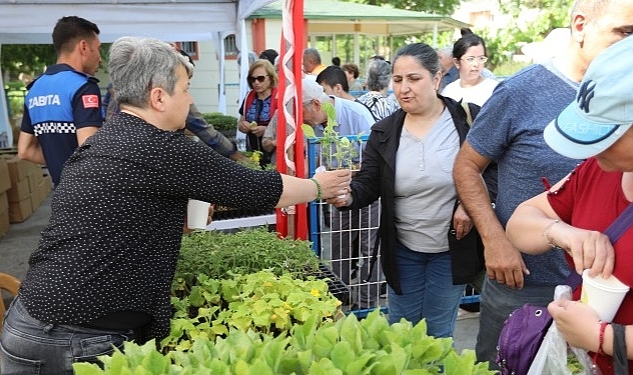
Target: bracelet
x: 318, y: 185
x: 603, y: 326
x: 620, y: 362
x: 545, y: 234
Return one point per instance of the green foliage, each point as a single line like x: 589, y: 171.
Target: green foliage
x: 503, y: 43
x: 346, y: 346
x: 29, y: 59
x: 217, y: 255
x: 259, y: 301
x: 221, y: 121
x: 336, y: 151
x: 508, y: 68
x: 253, y: 161
x: 442, y: 7
x: 15, y: 92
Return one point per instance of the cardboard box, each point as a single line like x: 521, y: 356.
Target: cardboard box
x: 20, y: 211
x: 19, y: 191
x: 4, y: 222
x: 4, y: 202
x: 35, y: 177
x: 18, y: 169
x: 5, y: 181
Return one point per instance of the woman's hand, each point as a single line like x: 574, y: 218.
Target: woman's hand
x: 589, y: 249
x: 461, y: 222
x: 258, y: 130
x: 245, y: 126
x: 341, y: 201
x: 577, y: 322
x: 334, y: 183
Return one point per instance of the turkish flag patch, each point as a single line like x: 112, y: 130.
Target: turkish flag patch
x: 90, y: 101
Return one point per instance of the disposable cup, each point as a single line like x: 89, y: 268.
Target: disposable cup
x: 197, y: 214
x: 603, y: 295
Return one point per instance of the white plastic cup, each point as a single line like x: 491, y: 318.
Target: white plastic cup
x: 197, y: 214
x: 603, y: 295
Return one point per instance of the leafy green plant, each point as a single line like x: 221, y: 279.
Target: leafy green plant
x: 218, y: 255
x: 336, y: 151
x: 220, y: 121
x: 260, y: 301
x: 346, y: 347
x: 253, y: 161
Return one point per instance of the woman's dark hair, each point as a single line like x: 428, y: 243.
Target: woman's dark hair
x: 269, y: 54
x: 424, y: 54
x: 336, y: 61
x: 352, y: 68
x: 468, y: 39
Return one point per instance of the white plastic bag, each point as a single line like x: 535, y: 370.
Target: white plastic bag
x: 554, y: 354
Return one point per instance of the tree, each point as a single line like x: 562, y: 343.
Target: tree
x: 442, y: 7
x: 549, y: 14
x: 30, y: 59
x: 501, y: 43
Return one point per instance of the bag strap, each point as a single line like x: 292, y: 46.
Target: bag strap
x: 469, y: 116
x: 620, y: 225
x: 614, y: 232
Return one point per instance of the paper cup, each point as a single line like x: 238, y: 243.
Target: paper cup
x: 197, y: 214
x: 603, y: 295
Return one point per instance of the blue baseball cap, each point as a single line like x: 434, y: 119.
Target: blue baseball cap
x: 603, y: 109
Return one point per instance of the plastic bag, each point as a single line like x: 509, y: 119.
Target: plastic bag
x: 555, y: 357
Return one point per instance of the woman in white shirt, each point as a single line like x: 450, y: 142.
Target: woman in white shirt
x: 469, y: 56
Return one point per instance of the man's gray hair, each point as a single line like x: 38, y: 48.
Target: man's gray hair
x: 139, y: 64
x: 446, y: 51
x: 378, y: 75
x: 312, y: 54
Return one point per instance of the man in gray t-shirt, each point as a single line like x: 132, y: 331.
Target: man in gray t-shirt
x: 509, y: 130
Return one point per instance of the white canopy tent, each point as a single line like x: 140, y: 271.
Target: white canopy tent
x: 32, y: 22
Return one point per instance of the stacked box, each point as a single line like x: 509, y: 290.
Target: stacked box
x: 23, y: 195
x: 42, y: 190
x: 5, y: 184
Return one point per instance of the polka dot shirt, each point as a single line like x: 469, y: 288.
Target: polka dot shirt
x: 117, y: 217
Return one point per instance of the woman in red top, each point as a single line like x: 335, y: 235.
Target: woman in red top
x: 574, y: 213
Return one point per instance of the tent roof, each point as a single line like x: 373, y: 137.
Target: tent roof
x: 32, y: 21
x: 337, y: 17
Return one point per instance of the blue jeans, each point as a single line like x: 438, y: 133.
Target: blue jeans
x: 497, y: 301
x: 427, y: 291
x: 29, y: 346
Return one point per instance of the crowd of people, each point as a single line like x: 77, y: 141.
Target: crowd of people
x: 452, y: 154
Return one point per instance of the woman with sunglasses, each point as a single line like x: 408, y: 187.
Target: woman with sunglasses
x: 259, y: 106
x: 469, y: 56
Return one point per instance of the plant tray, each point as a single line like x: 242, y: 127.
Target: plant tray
x: 226, y: 213
x: 335, y: 285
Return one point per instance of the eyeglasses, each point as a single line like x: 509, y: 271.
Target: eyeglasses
x: 259, y: 79
x: 472, y: 60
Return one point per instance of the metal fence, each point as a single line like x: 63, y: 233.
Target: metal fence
x: 345, y: 242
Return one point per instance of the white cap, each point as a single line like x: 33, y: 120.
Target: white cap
x: 603, y: 109
x: 312, y: 90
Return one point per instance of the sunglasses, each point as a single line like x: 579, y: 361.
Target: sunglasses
x: 259, y: 79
